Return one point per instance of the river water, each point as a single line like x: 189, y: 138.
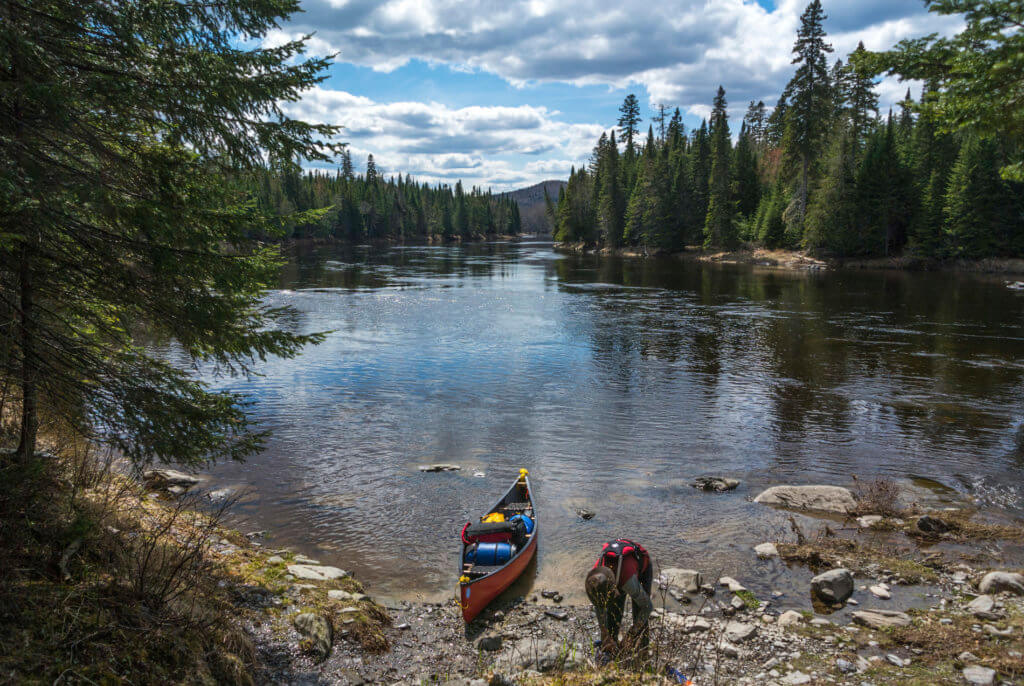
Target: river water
x: 615, y: 382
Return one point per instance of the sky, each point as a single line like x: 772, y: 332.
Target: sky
x: 506, y: 93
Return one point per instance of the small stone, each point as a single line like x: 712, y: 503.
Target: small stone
x: 790, y: 617
x: 881, y: 619
x: 1001, y: 633
x: 585, y: 514
x: 766, y: 550
x: 976, y: 675
x: 880, y: 591
x: 560, y: 615
x: 868, y: 521
x: 767, y: 619
x: 275, y: 560
x: 845, y: 666
x: 403, y: 627
x: 895, y: 660
x: 820, y: 621
x: 303, y: 560
x: 729, y: 650
x: 479, y: 475
x: 737, y: 603
x: 737, y: 632
x: 688, y: 624
x: 337, y: 594
x: 796, y: 678
x: 733, y: 585
x: 983, y: 604
x: 718, y: 484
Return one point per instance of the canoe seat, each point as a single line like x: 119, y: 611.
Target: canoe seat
x: 517, y: 507
x: 483, y: 570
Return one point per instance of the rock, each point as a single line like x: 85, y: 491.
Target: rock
x: 795, y: 678
x: 737, y: 603
x: 719, y: 484
x: 880, y: 592
x: 585, y: 514
x: 790, y: 617
x: 815, y: 498
x: 967, y: 657
x: 163, y: 478
x: 543, y: 655
x: 176, y: 490
x: 338, y: 594
x: 895, y: 660
x: 982, y: 605
x: 728, y: 649
x: 734, y: 586
x: 820, y: 621
x: 688, y: 624
x: 868, y: 521
x: 220, y: 495
x: 737, y: 632
x: 275, y: 560
x: 548, y: 594
x: 767, y: 619
x: 932, y: 525
x: 315, y: 572
x: 1002, y: 582
x: 979, y: 676
x: 881, y: 619
x: 439, y: 467
x: 845, y: 666
x: 688, y: 580
x: 833, y: 586
x: 318, y: 630
x: 303, y: 560
x: 489, y: 642
x: 766, y: 550
x: 479, y: 475
x: 1000, y: 633
x: 351, y: 677
x: 560, y: 615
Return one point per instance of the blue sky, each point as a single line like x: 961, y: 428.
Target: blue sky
x: 505, y: 93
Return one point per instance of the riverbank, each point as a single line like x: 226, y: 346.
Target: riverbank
x: 112, y: 580
x: 430, y: 239
x: 803, y: 260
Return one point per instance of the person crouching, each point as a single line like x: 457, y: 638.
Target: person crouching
x: 623, y: 569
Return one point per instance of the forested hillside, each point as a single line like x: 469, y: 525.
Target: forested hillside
x: 533, y: 204
x: 369, y: 207
x: 824, y: 169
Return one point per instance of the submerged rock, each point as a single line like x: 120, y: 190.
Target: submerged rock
x: 932, y: 525
x: 868, y: 521
x: 766, y: 550
x: 164, y: 478
x: 718, y: 484
x: 833, y: 586
x: 815, y: 498
x: 441, y: 467
x: 585, y: 514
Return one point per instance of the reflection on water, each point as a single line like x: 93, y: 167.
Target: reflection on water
x: 614, y: 382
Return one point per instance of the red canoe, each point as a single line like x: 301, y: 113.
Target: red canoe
x: 480, y: 584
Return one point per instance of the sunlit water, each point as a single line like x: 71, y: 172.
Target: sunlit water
x: 615, y: 382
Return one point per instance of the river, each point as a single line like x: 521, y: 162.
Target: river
x: 615, y: 382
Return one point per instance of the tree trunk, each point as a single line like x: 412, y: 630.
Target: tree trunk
x: 805, y: 170
x: 29, y: 387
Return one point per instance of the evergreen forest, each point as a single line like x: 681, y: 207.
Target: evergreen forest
x: 824, y: 170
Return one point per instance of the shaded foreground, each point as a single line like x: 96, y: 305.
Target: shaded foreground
x: 107, y: 583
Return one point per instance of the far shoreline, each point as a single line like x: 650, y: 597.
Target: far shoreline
x: 803, y: 260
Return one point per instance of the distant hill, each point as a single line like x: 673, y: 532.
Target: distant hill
x: 531, y: 204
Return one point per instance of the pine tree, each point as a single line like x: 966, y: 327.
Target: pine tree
x: 371, y: 170
x: 629, y: 120
x: 700, y: 174
x: 719, y: 225
x: 862, y: 100
x: 609, y: 198
x: 347, y: 172
x: 747, y: 183
x: 809, y: 112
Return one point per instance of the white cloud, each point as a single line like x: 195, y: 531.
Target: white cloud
x: 439, y: 144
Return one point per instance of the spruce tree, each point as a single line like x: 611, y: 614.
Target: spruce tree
x: 747, y: 184
x: 629, y: 120
x: 610, y: 207
x: 719, y: 224
x: 982, y: 217
x: 700, y: 174
x: 809, y: 111
x: 861, y: 97
x: 128, y: 133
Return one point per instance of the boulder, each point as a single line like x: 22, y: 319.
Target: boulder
x: 982, y: 605
x: 732, y: 584
x: 976, y: 675
x: 439, y: 467
x: 163, y: 478
x: 737, y: 632
x: 881, y: 619
x: 275, y: 560
x: 790, y: 617
x: 543, y: 655
x: 814, y: 498
x: 1002, y: 582
x: 688, y: 580
x: 880, y: 591
x: 766, y: 550
x: 318, y: 631
x: 338, y: 594
x: 932, y: 525
x: 718, y: 484
x: 833, y: 586
x: 316, y: 572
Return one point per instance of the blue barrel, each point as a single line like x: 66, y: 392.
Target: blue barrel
x: 490, y: 553
x: 526, y: 521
